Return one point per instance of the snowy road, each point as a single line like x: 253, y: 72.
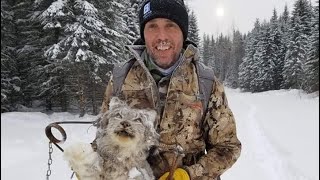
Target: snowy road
x: 266, y: 124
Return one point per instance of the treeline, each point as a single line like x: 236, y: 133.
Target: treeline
x: 58, y: 54
x: 281, y: 53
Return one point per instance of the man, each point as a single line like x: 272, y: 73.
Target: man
x: 163, y: 76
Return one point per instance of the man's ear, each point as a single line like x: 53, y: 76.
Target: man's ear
x: 139, y: 41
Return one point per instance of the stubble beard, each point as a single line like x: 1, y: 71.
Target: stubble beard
x: 163, y: 63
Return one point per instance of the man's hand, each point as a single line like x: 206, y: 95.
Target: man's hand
x: 179, y: 174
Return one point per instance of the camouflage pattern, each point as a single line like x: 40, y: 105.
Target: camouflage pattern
x: 208, y: 141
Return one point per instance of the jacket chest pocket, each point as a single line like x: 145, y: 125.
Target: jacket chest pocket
x: 181, y: 123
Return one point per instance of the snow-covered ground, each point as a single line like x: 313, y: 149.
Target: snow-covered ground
x: 279, y: 131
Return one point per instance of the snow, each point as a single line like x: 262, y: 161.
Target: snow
x: 55, y: 9
x: 278, y: 130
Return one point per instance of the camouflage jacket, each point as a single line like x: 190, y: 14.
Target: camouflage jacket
x: 208, y: 140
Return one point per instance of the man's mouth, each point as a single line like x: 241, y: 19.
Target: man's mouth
x: 162, y: 46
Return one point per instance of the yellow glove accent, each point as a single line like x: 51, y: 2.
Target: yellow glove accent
x: 77, y: 176
x: 179, y: 174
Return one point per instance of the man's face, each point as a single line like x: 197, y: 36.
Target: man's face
x: 164, y: 41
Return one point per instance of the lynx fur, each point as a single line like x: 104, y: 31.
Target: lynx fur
x: 124, y: 138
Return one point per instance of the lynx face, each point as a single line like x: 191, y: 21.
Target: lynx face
x: 123, y: 140
x: 123, y: 126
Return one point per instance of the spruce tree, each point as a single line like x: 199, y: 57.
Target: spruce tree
x: 284, y: 25
x: 246, y: 68
x: 263, y: 62
x: 296, y: 54
x: 222, y: 56
x: 212, y: 47
x: 29, y: 50
x: 311, y: 67
x: 193, y: 33
x: 276, y: 50
x: 10, y: 80
x: 237, y: 53
x: 205, y: 49
x: 85, y: 51
x: 131, y: 19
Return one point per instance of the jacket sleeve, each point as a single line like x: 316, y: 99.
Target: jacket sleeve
x: 222, y: 145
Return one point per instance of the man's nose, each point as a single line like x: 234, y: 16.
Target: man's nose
x: 162, y: 34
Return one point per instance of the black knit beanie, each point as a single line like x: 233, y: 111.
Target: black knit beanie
x: 174, y: 10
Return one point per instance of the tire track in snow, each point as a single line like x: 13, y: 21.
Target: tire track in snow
x: 266, y: 155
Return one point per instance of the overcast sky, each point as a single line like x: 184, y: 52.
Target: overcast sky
x: 240, y: 14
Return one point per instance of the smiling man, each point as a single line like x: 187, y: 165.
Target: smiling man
x: 164, y: 40
x: 197, y: 129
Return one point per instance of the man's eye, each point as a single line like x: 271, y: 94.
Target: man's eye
x: 151, y: 26
x: 172, y: 25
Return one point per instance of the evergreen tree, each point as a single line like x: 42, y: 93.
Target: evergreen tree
x: 237, y: 53
x: 222, y: 56
x: 10, y: 80
x: 246, y: 68
x: 131, y: 19
x: 29, y: 47
x: 50, y: 78
x: 312, y: 63
x: 205, y: 49
x: 193, y: 33
x: 126, y: 21
x: 263, y: 62
x: 125, y: 18
x: 284, y: 25
x: 212, y: 47
x: 296, y: 54
x: 218, y: 57
x: 276, y: 49
x: 83, y: 54
x: 110, y: 14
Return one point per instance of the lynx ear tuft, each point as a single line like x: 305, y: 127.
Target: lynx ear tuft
x: 115, y: 103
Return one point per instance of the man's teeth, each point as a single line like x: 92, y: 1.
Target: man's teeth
x: 162, y: 47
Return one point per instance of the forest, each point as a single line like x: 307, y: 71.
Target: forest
x: 57, y: 55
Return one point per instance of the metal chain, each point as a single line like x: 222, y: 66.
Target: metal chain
x: 49, y: 160
x: 55, y: 140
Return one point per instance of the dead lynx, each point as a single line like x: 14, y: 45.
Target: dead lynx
x: 124, y: 137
